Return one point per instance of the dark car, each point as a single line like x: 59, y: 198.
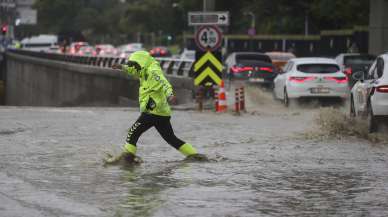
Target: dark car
x: 160, y: 52
x: 254, y: 67
x: 354, y: 62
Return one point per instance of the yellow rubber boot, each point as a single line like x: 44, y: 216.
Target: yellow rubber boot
x: 128, y: 156
x: 187, y: 149
x: 129, y: 148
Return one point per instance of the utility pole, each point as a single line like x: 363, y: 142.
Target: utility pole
x: 252, y: 29
x: 306, y: 25
x: 7, y: 16
x: 378, y: 27
x: 253, y: 18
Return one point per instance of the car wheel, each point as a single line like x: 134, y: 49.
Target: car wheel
x: 352, y: 111
x: 286, y: 100
x: 372, y: 121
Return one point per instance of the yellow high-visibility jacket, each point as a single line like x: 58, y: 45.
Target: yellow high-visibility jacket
x: 154, y: 87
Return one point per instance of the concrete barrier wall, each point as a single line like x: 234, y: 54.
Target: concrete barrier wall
x: 32, y: 81
x: 2, y: 77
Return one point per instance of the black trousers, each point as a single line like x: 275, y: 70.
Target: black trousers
x: 162, y: 125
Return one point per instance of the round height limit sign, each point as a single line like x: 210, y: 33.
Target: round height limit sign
x: 208, y: 38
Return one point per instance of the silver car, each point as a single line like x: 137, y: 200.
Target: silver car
x: 312, y: 78
x: 369, y: 96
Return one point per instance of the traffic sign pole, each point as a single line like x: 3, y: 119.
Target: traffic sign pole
x: 208, y: 64
x: 208, y: 39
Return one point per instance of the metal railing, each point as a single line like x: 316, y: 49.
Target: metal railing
x: 174, y: 67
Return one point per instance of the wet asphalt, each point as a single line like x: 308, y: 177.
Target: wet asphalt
x: 261, y: 165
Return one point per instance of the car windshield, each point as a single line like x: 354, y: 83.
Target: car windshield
x: 359, y: 60
x: 318, y: 68
x: 257, y: 57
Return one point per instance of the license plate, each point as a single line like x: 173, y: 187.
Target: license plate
x: 320, y: 90
x: 256, y: 79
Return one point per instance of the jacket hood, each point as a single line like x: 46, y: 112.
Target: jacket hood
x: 143, y: 58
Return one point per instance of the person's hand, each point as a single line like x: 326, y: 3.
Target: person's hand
x: 172, y: 100
x: 117, y: 66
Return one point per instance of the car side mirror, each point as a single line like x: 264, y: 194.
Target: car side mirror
x: 359, y: 76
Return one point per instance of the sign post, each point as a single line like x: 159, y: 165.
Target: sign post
x: 208, y: 39
x: 208, y: 64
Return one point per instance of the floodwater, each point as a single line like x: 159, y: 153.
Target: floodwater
x: 262, y: 165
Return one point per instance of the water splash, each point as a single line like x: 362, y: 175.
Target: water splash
x: 333, y: 122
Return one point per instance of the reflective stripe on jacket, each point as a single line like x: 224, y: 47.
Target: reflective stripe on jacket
x: 154, y: 87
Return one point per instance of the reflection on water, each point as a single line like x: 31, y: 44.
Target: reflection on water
x: 232, y: 188
x: 145, y: 189
x: 305, y: 193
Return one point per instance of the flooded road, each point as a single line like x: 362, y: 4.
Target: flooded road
x: 263, y: 165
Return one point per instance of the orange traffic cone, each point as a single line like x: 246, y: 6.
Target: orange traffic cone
x: 222, y: 104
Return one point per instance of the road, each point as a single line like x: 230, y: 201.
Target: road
x: 266, y: 162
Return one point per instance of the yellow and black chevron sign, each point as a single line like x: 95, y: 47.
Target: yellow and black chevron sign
x: 208, y: 68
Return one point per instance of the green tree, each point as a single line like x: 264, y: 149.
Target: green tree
x: 114, y: 20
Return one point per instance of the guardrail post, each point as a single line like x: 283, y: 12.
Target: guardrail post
x: 180, y: 68
x: 186, y: 70
x: 78, y: 59
x: 110, y: 62
x: 94, y: 61
x: 169, y: 69
x: 122, y: 60
x: 88, y: 60
x: 104, y: 62
x: 162, y: 63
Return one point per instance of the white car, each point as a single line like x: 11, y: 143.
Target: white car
x: 40, y: 43
x: 187, y: 55
x: 310, y: 78
x: 369, y: 96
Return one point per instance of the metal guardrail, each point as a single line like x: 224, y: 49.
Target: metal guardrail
x: 174, y: 67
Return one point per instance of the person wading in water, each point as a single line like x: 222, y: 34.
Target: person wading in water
x: 155, y: 94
